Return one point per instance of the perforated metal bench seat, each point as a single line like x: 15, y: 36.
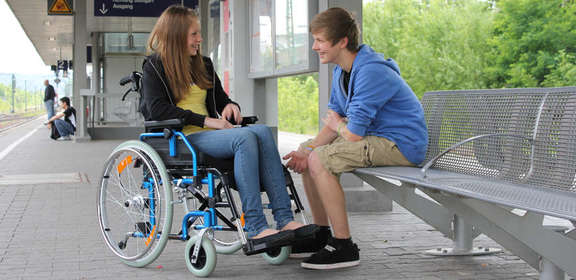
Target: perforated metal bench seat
x: 489, y: 151
x: 514, y: 147
x: 540, y: 200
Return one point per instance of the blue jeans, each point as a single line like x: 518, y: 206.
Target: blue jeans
x: 49, y: 108
x: 64, y: 128
x: 256, y: 162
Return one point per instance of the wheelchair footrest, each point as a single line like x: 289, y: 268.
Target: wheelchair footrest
x: 261, y: 245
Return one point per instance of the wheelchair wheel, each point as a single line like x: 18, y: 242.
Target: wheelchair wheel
x: 277, y: 255
x: 135, y: 203
x: 206, y: 257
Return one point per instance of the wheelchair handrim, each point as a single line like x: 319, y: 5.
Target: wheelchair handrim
x: 102, y: 216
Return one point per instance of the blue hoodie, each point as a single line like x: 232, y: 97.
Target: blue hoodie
x: 382, y: 104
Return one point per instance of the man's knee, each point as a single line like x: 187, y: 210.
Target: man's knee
x: 315, y: 166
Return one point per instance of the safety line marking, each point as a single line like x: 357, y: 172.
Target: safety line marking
x: 11, y: 147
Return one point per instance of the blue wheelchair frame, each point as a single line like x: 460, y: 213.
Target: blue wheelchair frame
x: 200, y: 175
x: 208, y: 216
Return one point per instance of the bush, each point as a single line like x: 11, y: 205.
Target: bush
x: 298, y: 104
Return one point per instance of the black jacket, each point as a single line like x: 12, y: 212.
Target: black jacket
x: 158, y: 100
x: 49, y: 93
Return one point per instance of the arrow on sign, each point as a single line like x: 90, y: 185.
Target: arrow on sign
x: 103, y: 10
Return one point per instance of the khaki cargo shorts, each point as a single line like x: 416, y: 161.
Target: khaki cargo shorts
x: 344, y: 156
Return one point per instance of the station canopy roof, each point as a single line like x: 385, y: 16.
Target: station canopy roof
x: 53, y: 36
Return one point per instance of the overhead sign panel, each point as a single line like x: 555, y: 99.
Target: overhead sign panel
x: 137, y: 8
x: 60, y: 7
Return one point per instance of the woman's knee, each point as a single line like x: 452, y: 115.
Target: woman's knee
x: 246, y: 137
x: 263, y: 131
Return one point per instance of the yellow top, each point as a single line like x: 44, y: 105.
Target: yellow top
x: 194, y: 101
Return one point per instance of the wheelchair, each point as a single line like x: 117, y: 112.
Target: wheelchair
x: 143, y: 180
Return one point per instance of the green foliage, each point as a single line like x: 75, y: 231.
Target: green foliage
x: 30, y: 100
x: 456, y: 44
x: 438, y: 45
x: 531, y: 40
x: 564, y: 74
x: 298, y: 104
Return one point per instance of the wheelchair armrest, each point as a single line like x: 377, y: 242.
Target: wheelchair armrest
x: 176, y: 124
x: 249, y: 120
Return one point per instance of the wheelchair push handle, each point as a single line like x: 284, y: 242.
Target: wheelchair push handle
x: 133, y: 78
x: 125, y: 80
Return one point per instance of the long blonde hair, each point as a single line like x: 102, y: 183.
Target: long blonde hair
x: 169, y: 39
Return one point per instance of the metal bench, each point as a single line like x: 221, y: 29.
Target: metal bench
x: 498, y: 161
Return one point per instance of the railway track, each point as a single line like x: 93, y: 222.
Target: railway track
x: 8, y: 121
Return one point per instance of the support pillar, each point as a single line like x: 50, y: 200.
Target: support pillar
x: 80, y: 78
x: 359, y: 198
x: 256, y: 96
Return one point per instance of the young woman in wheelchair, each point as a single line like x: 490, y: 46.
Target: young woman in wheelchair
x: 180, y: 83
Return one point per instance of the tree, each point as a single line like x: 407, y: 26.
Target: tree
x: 532, y: 38
x: 298, y: 104
x: 438, y: 44
x: 564, y: 73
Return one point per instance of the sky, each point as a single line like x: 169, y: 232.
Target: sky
x: 17, y: 53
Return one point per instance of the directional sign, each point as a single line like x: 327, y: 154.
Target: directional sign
x: 62, y: 65
x: 137, y: 8
x: 60, y: 7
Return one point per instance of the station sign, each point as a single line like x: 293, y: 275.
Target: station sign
x: 60, y: 7
x: 137, y: 8
x: 62, y: 65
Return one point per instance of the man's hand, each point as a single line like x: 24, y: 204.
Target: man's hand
x: 217, y: 123
x: 298, y: 161
x: 332, y: 119
x: 232, y: 112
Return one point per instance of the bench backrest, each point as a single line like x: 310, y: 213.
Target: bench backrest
x: 542, y: 151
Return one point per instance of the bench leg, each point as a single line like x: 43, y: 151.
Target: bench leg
x: 463, y: 239
x: 550, y: 271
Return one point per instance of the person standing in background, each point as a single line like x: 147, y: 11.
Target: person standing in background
x: 49, y: 95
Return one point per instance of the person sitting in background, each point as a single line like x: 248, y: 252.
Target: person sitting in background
x: 67, y: 126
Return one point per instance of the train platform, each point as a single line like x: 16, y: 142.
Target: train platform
x: 49, y: 227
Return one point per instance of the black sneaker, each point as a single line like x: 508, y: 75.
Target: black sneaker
x: 338, y: 253
x: 304, y: 248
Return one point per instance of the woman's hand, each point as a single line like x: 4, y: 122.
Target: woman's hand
x: 232, y: 112
x: 217, y: 123
x: 332, y: 119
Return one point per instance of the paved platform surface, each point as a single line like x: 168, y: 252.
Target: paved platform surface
x: 50, y: 230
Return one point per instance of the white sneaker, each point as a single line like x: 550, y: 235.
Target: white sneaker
x: 64, y: 138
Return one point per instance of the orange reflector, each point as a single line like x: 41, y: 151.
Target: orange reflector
x: 150, y: 236
x: 242, y: 220
x: 122, y: 165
